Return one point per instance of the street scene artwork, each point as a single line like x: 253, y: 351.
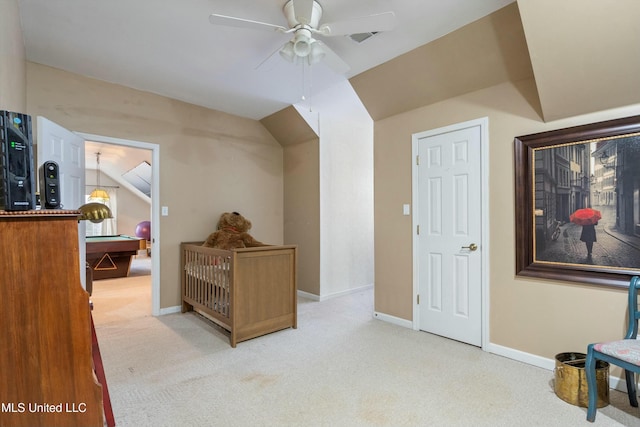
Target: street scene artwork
x: 586, y: 199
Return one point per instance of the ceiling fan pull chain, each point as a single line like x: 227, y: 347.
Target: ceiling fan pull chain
x: 310, y: 86
x: 304, y: 81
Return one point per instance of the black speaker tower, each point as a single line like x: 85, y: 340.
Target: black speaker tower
x: 17, y: 177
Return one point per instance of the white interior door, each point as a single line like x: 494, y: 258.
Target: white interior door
x: 66, y: 149
x: 448, y: 245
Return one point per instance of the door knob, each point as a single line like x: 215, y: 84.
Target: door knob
x: 472, y: 247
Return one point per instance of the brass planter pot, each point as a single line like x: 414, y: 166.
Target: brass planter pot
x: 571, y: 380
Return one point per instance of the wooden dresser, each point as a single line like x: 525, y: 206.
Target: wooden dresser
x: 45, y: 325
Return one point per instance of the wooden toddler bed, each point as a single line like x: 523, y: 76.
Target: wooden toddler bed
x: 249, y: 292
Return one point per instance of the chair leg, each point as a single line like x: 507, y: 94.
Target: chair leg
x: 631, y: 388
x: 590, y: 371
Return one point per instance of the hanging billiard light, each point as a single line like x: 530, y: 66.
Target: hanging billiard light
x: 98, y: 195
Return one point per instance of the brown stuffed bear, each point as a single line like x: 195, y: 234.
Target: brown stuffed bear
x: 232, y: 233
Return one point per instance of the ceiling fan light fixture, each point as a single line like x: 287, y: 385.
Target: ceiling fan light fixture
x: 287, y: 52
x: 302, y: 43
x: 303, y: 19
x: 316, y: 54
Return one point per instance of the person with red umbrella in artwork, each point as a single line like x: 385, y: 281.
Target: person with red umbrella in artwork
x: 588, y: 218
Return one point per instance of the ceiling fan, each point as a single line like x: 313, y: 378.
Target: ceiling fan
x: 303, y: 18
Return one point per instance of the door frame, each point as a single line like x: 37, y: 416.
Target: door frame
x: 155, y: 207
x: 484, y: 241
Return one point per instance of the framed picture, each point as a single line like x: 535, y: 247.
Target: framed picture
x: 577, y: 195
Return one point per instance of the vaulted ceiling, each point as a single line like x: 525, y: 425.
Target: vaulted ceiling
x: 584, y: 55
x: 170, y: 48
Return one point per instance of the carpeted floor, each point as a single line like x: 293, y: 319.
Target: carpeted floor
x: 123, y: 299
x: 341, y: 367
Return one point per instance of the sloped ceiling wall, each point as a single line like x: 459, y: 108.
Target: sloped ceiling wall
x: 585, y: 54
x: 288, y: 127
x: 487, y: 52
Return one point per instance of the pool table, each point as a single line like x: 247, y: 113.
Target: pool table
x: 110, y: 256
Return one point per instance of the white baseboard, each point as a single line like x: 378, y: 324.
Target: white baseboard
x: 346, y: 292
x: 542, y: 362
x: 321, y: 298
x: 170, y: 310
x: 510, y: 353
x: 392, y: 319
x: 521, y: 356
x: 312, y: 297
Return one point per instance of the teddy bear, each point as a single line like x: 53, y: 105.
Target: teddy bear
x: 232, y: 233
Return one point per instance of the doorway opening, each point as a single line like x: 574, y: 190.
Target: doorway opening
x: 147, y: 261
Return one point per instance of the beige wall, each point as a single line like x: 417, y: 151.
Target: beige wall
x: 210, y: 162
x: 12, y: 59
x: 539, y: 317
x: 301, y: 192
x: 302, y: 210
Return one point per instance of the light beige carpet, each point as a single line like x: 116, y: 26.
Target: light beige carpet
x: 341, y: 367
x: 123, y: 299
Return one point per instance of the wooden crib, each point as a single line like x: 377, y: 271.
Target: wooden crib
x: 249, y: 292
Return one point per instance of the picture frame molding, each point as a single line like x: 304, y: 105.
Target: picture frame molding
x: 524, y: 148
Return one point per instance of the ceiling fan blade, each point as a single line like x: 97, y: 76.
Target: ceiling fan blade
x: 267, y: 63
x: 302, y: 10
x: 385, y: 21
x: 231, y: 21
x: 332, y: 59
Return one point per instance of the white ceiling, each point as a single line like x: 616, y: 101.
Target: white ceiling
x: 170, y: 48
x: 126, y: 158
x: 115, y: 160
